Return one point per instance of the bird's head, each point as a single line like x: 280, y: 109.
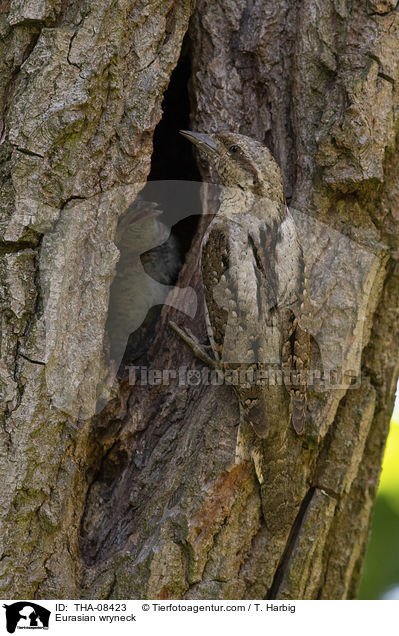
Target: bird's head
x: 241, y: 162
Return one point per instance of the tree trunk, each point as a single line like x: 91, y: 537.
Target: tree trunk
x: 149, y: 498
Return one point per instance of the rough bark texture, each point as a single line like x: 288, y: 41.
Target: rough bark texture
x: 149, y: 499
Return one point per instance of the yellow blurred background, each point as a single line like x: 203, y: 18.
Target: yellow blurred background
x: 380, y: 578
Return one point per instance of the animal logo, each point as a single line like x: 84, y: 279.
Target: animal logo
x: 26, y: 615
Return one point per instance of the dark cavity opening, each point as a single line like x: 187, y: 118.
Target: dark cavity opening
x: 173, y: 159
x: 173, y: 196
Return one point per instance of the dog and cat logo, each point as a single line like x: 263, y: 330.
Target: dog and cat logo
x: 26, y: 615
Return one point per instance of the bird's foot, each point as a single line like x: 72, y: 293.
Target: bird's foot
x: 197, y: 348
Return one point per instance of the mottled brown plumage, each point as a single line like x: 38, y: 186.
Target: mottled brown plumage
x: 252, y: 271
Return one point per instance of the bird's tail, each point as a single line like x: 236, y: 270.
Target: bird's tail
x: 256, y: 413
x: 253, y: 404
x: 298, y: 411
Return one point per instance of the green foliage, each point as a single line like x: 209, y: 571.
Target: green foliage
x: 381, y: 568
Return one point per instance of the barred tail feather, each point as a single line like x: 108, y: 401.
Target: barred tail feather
x: 257, y: 416
x: 298, y: 412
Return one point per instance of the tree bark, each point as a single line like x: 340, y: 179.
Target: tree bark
x: 149, y: 498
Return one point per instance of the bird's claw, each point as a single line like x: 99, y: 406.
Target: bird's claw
x: 197, y: 348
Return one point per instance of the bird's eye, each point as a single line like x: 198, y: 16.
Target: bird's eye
x: 233, y: 148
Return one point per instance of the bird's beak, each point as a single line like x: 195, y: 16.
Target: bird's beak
x: 201, y: 140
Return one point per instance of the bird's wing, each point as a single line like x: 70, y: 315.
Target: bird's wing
x: 238, y: 304
x: 278, y: 258
x: 241, y: 291
x: 262, y: 240
x: 215, y: 261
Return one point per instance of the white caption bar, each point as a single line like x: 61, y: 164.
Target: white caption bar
x: 193, y: 617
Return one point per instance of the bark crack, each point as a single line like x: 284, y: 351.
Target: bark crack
x: 32, y: 361
x: 284, y: 563
x: 381, y: 73
x: 69, y: 50
x: 30, y: 153
x: 386, y: 77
